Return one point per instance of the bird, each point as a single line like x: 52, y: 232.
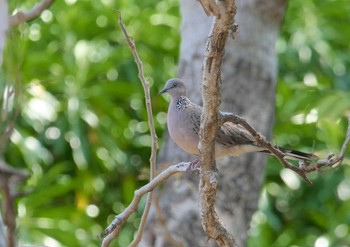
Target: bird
x: 183, y: 122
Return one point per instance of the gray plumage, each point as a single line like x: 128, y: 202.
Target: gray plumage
x: 183, y: 121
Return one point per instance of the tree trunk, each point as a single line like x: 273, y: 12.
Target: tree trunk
x: 249, y: 78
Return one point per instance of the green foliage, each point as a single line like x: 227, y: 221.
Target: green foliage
x: 312, y: 104
x: 82, y: 131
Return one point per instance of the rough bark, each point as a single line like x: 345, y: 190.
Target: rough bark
x: 223, y: 27
x: 248, y: 89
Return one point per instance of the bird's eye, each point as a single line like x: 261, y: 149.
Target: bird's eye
x: 175, y: 85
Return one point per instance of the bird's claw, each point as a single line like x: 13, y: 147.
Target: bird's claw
x: 195, y: 165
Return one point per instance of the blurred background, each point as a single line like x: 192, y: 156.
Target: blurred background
x: 82, y: 131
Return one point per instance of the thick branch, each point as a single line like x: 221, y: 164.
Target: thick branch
x: 223, y: 21
x: 115, y: 226
x: 24, y: 16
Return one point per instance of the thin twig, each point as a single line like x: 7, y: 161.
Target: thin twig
x: 115, y: 226
x: 154, y: 147
x: 24, y: 16
x: 327, y: 162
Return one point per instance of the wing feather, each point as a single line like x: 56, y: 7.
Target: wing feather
x: 232, y: 135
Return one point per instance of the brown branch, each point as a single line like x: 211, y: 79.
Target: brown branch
x: 304, y: 168
x: 221, y: 30
x: 24, y: 16
x: 115, y: 226
x: 210, y: 7
x: 10, y: 172
x: 9, y: 211
x: 9, y: 179
x: 154, y: 147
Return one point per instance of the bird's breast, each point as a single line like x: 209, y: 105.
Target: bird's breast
x: 182, y: 130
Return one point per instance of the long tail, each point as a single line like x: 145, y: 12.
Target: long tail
x: 296, y: 155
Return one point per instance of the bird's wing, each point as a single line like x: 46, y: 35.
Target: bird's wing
x: 229, y: 134
x: 195, y: 113
x: 232, y: 135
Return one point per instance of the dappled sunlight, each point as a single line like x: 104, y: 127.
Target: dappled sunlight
x: 341, y: 230
x: 290, y: 178
x: 51, y: 242
x: 35, y: 32
x: 112, y: 74
x: 92, y: 210
x: 308, y: 118
x: 310, y: 80
x: 322, y: 242
x: 70, y: 2
x: 101, y: 21
x: 343, y: 190
x: 90, y: 118
x: 52, y: 133
x: 42, y: 106
x: 46, y: 16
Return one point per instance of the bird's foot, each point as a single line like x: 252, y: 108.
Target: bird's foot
x: 195, y: 165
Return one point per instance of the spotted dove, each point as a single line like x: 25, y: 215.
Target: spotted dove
x: 183, y: 121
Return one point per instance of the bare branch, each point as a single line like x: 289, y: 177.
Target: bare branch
x: 115, y: 226
x: 210, y: 7
x: 10, y: 172
x: 222, y: 28
x: 154, y: 147
x: 24, y: 16
x: 9, y: 179
x: 303, y: 169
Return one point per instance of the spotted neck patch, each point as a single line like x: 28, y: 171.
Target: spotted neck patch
x: 182, y: 102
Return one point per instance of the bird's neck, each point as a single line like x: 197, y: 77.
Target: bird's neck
x: 181, y: 102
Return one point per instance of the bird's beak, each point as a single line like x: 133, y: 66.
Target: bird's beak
x: 163, y: 91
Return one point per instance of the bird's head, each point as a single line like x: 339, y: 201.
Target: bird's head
x: 175, y: 87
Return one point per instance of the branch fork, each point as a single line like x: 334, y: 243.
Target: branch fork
x: 329, y: 161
